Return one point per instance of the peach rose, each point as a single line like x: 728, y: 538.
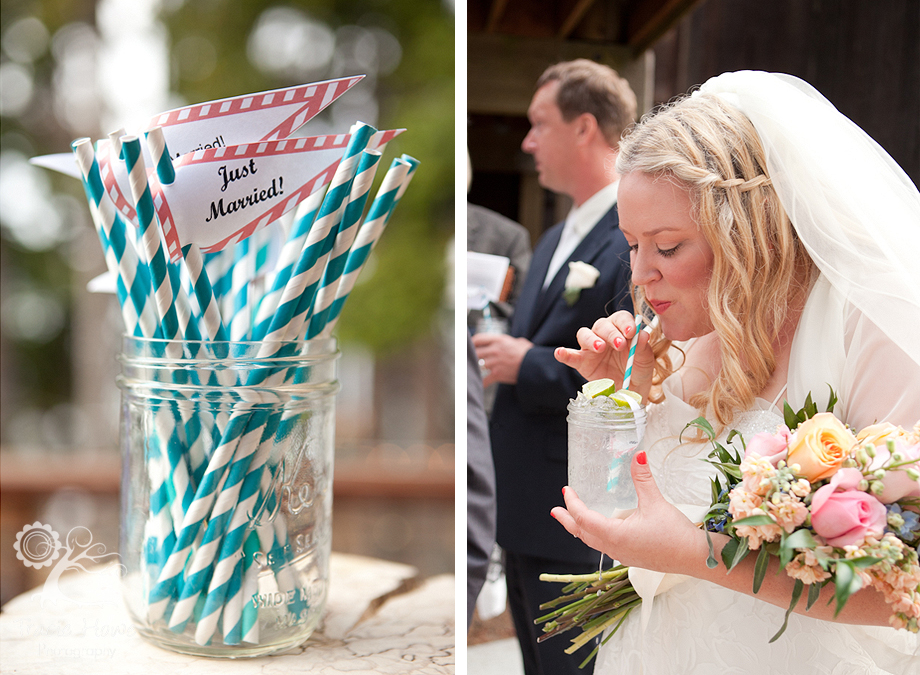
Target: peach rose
x: 880, y: 434
x: 819, y: 446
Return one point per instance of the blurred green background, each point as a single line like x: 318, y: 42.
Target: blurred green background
x: 75, y: 68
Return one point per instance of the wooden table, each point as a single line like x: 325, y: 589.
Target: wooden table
x: 380, y: 618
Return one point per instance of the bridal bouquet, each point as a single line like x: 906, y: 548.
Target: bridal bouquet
x: 834, y: 506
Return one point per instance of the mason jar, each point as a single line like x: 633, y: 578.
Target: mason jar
x: 602, y: 440
x: 226, y: 507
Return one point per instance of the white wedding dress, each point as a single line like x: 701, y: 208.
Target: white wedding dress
x: 699, y: 628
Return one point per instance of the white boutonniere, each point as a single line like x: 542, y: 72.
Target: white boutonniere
x: 581, y: 276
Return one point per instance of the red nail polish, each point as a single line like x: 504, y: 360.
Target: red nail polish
x: 641, y: 458
x: 617, y: 342
x: 598, y: 344
x: 553, y: 515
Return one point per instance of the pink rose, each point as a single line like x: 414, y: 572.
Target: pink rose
x: 846, y: 518
x: 772, y: 447
x: 897, y: 483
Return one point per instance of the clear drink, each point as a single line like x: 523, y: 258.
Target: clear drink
x: 603, y: 438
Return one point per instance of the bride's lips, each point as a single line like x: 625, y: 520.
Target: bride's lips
x: 659, y: 306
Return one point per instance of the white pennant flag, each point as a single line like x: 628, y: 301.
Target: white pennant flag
x: 222, y: 195
x: 263, y: 116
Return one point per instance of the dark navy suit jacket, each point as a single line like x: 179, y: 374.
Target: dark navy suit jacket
x: 528, y: 423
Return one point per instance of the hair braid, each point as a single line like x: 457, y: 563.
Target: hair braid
x: 715, y: 152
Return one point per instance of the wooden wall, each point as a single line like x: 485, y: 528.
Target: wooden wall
x: 863, y: 56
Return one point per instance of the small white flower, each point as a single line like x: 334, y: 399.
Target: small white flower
x: 581, y: 276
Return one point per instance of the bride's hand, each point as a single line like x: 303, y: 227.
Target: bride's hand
x: 656, y: 536
x: 604, y: 349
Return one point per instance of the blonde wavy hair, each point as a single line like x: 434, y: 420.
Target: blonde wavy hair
x: 759, y: 264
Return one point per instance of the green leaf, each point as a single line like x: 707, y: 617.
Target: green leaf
x: 760, y: 568
x: 734, y: 552
x: 752, y: 521
x: 728, y: 469
x: 789, y: 416
x: 716, y: 489
x: 814, y: 592
x: 846, y: 582
x: 711, y: 561
x: 796, y: 594
x: 800, y: 539
x: 700, y: 423
x: 865, y: 561
x: 832, y: 400
x: 797, y: 540
x: 731, y: 436
x: 810, y: 409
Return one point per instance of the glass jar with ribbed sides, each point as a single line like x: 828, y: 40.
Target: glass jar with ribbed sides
x: 227, y: 492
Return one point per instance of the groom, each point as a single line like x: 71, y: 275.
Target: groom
x: 577, y: 115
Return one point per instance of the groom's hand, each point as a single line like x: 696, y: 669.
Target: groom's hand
x: 501, y: 356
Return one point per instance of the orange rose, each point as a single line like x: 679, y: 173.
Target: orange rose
x: 819, y: 446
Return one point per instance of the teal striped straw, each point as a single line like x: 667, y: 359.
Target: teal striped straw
x: 401, y: 172
x: 351, y: 220
x: 121, y: 257
x: 240, y: 280
x: 300, y: 288
x: 632, y: 353
x: 287, y: 261
x: 150, y: 238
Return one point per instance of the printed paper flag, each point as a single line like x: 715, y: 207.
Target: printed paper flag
x: 222, y: 195
x: 265, y: 116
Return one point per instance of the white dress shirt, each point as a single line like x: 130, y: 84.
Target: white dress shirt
x: 579, y: 222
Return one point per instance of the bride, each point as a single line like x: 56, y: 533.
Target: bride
x: 779, y: 246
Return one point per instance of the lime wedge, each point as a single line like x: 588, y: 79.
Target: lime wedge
x: 595, y: 388
x: 626, y: 398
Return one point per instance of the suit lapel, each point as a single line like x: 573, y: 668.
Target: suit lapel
x: 587, y: 251
x: 533, y: 282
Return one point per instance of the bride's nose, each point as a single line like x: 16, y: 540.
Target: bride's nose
x: 643, y: 268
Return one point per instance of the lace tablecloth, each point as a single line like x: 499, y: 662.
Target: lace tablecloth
x: 380, y: 618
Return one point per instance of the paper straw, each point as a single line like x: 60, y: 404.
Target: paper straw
x: 250, y: 615
x: 287, y: 261
x: 351, y: 220
x: 210, y: 312
x: 115, y: 140
x: 240, y: 279
x: 150, y: 237
x: 209, y: 541
x: 219, y: 266
x: 632, y: 353
x: 400, y: 173
x: 220, y: 583
x: 156, y: 143
x: 121, y: 257
x: 233, y: 608
x: 300, y: 289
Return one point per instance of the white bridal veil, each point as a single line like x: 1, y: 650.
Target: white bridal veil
x: 854, y: 208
